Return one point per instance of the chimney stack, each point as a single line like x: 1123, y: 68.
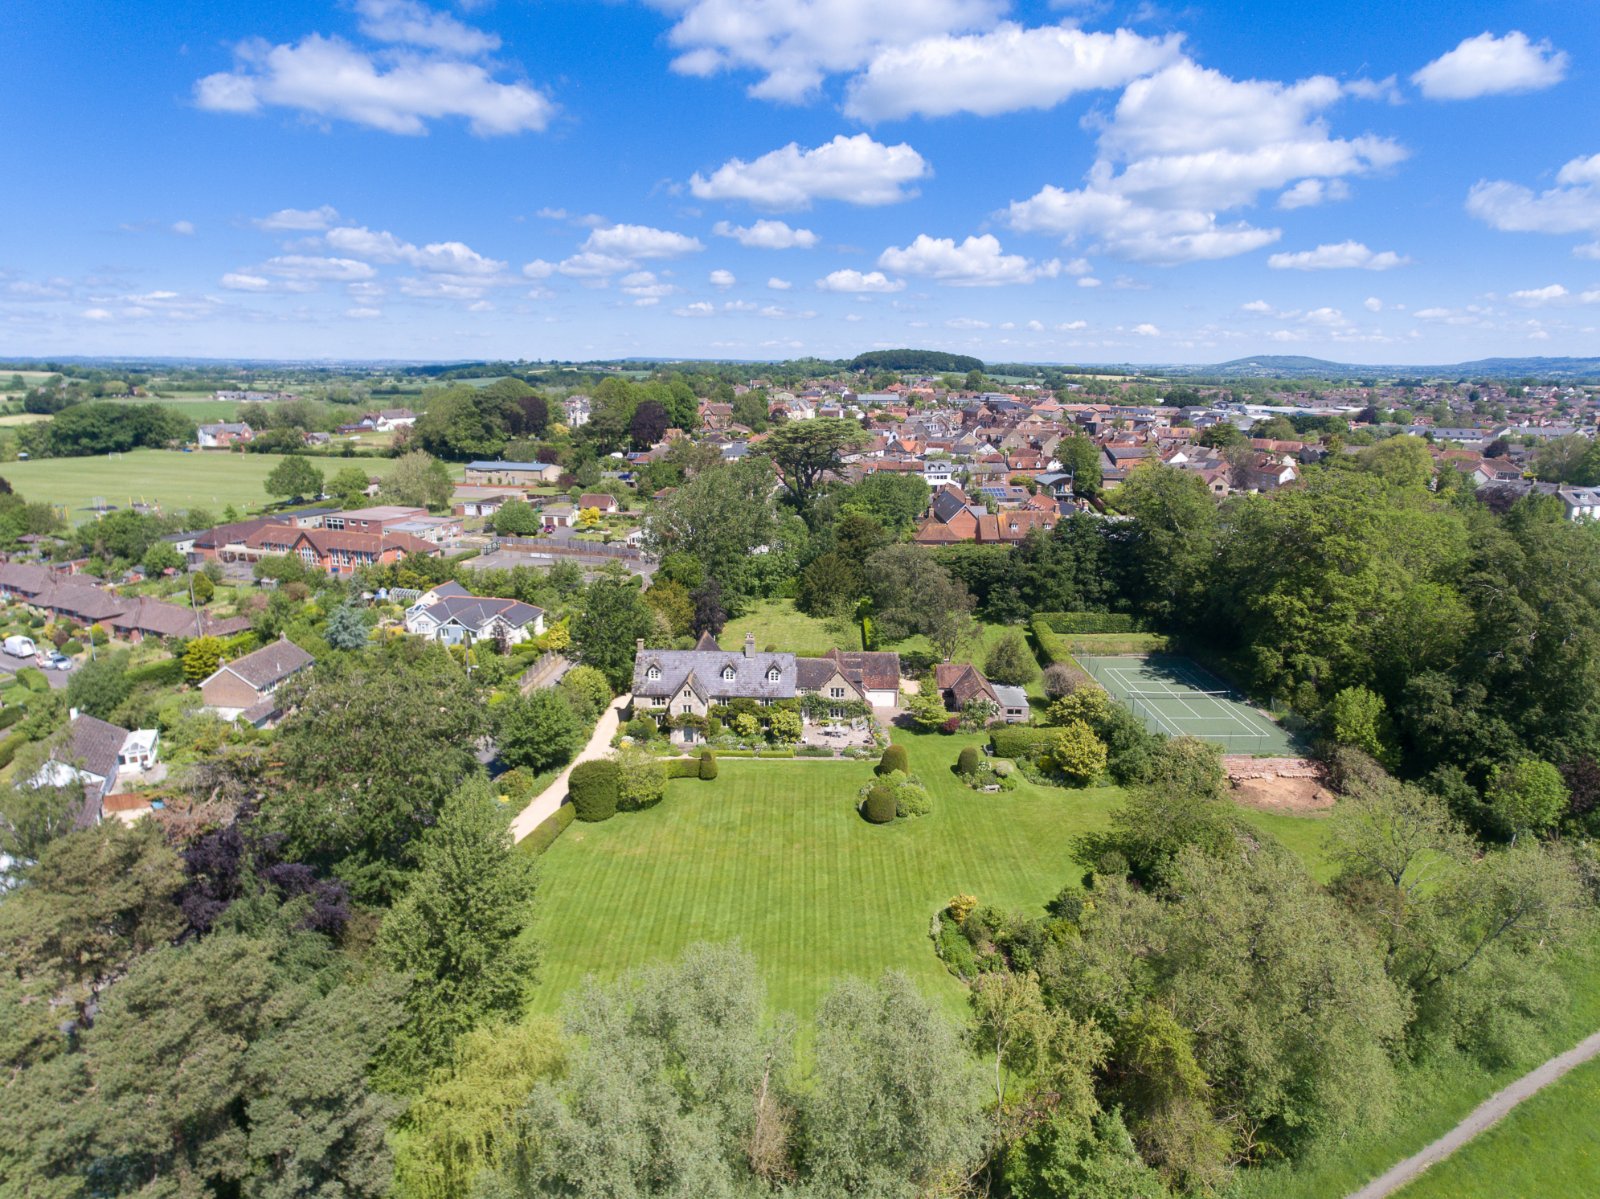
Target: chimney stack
x: 638, y: 645
x: 749, y: 645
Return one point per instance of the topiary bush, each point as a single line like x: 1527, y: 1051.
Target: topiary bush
x: 879, y: 805
x: 593, y: 787
x: 708, y: 766
x: 967, y: 763
x: 894, y: 758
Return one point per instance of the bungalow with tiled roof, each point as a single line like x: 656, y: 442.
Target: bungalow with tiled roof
x: 247, y: 686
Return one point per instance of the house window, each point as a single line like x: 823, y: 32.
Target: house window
x: 659, y: 701
x: 836, y: 713
x: 653, y: 673
x: 727, y: 674
x: 686, y: 709
x: 773, y: 675
x: 836, y: 692
x: 766, y: 703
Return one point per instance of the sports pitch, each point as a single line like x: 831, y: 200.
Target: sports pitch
x: 1175, y: 697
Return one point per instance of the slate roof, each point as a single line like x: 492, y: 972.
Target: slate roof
x: 270, y: 664
x: 474, y: 612
x: 703, y: 670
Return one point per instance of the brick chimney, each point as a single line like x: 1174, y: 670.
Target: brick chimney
x: 638, y: 645
x: 749, y: 645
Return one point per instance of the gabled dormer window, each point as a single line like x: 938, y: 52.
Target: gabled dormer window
x: 727, y: 674
x: 653, y: 674
x: 773, y: 674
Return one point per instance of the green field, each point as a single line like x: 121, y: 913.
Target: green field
x: 170, y: 478
x: 1548, y: 1146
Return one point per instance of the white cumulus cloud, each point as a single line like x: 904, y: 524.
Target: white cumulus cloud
x: 796, y: 44
x: 1535, y: 297
x: 777, y: 284
x: 413, y: 24
x: 855, y: 169
x: 850, y: 280
x: 1339, y: 256
x: 640, y: 241
x: 328, y: 78
x: 1572, y: 206
x: 1489, y: 66
x: 1187, y: 144
x: 767, y: 235
x: 722, y: 278
x: 975, y: 262
x: 445, y: 257
x: 1004, y: 70
x: 298, y: 220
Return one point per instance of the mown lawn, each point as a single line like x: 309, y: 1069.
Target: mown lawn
x: 773, y: 853
x: 173, y: 479
x: 1549, y: 1146
x: 779, y: 624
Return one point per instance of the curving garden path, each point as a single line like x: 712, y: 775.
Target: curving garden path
x: 543, y: 806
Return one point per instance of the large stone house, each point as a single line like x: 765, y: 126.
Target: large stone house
x: 670, y: 683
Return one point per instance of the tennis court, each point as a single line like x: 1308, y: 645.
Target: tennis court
x: 1177, y: 698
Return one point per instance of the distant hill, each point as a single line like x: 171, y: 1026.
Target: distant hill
x: 932, y: 362
x: 1295, y: 366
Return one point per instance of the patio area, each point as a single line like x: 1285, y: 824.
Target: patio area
x: 838, y: 735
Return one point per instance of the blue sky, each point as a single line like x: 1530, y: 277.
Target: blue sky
x: 1035, y: 181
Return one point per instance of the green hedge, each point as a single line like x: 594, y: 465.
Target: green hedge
x: 786, y: 752
x: 1019, y: 740
x: 708, y: 766
x: 548, y: 829
x: 167, y: 673
x: 1088, y: 622
x: 10, y: 746
x: 10, y: 716
x: 1052, y: 646
x: 683, y: 768
x: 33, y: 680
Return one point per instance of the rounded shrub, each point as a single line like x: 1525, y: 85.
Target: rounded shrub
x: 894, y: 758
x: 967, y: 763
x: 593, y: 787
x: 708, y: 765
x: 72, y: 647
x: 879, y: 805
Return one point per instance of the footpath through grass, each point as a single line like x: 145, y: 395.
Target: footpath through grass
x: 1548, y: 1146
x: 1437, y: 1096
x: 774, y: 854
